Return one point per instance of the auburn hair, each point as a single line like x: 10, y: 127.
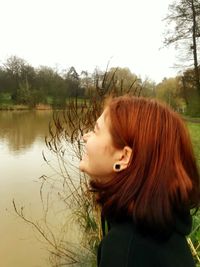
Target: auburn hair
x: 162, y: 178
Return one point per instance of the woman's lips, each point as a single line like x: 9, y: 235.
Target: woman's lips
x: 84, y: 154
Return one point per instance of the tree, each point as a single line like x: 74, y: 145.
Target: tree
x: 87, y: 83
x: 3, y: 81
x: 72, y: 74
x: 23, y: 94
x: 189, y: 92
x: 46, y: 80
x: 121, y: 81
x: 18, y: 72
x: 148, y: 88
x: 184, y: 16
x: 73, y: 82
x: 169, y: 91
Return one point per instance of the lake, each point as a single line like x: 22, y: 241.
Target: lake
x: 22, y: 140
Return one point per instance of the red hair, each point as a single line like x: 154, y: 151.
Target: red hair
x: 162, y: 177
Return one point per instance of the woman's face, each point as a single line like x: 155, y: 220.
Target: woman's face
x: 100, y: 154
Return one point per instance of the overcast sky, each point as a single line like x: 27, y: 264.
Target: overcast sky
x: 87, y: 34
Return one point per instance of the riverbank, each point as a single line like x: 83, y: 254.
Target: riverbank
x: 25, y: 107
x: 7, y: 104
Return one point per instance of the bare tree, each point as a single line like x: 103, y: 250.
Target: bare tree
x: 183, y: 27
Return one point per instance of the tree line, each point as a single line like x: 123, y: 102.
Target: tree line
x: 27, y: 85
x: 20, y: 83
x: 30, y: 86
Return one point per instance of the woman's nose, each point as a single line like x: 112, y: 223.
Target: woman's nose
x: 85, y: 137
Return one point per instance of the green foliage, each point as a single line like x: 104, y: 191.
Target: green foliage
x: 148, y: 88
x: 120, y: 80
x: 5, y: 98
x: 194, y: 129
x: 37, y: 96
x: 193, y: 107
x: 191, y: 93
x: 30, y: 86
x: 181, y: 96
x: 169, y: 91
x: 23, y: 94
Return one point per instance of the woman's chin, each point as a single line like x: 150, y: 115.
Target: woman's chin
x: 82, y: 166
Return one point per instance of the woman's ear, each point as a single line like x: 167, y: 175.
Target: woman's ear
x: 124, y: 159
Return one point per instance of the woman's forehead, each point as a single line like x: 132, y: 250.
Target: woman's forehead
x: 102, y: 121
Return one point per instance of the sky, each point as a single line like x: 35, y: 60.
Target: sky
x: 87, y: 34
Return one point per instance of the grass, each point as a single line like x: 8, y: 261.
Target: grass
x: 194, y: 129
x: 5, y: 99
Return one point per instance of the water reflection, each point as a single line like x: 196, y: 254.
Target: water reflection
x: 22, y: 136
x: 20, y: 129
x: 22, y: 140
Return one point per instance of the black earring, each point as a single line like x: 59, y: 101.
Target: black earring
x: 117, y: 167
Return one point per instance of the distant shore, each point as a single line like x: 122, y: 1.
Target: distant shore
x: 25, y: 107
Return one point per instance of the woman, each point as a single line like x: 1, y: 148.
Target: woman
x: 140, y: 160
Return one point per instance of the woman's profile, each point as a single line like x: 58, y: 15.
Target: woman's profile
x: 145, y: 178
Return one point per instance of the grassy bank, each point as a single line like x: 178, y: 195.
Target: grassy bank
x: 6, y: 103
x: 194, y: 129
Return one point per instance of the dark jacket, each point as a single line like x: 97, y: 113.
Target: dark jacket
x: 126, y: 246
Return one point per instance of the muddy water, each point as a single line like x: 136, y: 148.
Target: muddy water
x: 22, y: 136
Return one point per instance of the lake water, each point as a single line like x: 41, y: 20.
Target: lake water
x: 22, y: 140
